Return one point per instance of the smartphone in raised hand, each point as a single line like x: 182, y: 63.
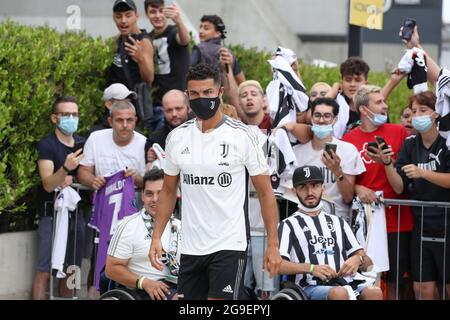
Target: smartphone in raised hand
x: 408, y: 29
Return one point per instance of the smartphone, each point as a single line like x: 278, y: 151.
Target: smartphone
x: 372, y: 144
x: 380, y: 140
x: 168, y: 3
x: 79, y: 145
x: 135, y: 36
x: 329, y: 147
x: 408, y: 29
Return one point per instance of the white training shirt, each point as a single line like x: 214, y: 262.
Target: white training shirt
x: 212, y: 168
x: 351, y: 164
x: 131, y: 242
x: 102, y: 152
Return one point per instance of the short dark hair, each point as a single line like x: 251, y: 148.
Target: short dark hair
x: 153, y: 4
x: 60, y: 100
x: 355, y: 65
x: 153, y: 175
x: 426, y: 98
x: 326, y: 101
x: 203, y: 71
x: 216, y: 21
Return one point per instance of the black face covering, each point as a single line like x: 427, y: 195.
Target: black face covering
x: 205, y: 108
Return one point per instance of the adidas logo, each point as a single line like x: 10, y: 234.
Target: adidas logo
x: 186, y: 151
x: 306, y: 229
x: 227, y: 289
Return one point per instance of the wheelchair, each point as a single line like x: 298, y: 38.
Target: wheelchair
x: 289, y: 291
x: 120, y: 294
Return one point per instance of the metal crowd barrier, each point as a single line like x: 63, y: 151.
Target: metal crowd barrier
x: 422, y: 205
x: 76, y: 270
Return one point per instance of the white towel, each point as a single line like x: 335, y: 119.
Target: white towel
x: 443, y: 103
x: 66, y: 201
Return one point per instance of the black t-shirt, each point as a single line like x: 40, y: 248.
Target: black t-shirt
x: 158, y: 136
x: 437, y: 159
x: 209, y: 52
x: 171, y: 63
x: 50, y: 148
x: 116, y: 70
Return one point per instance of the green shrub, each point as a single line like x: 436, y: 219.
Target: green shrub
x: 36, y: 65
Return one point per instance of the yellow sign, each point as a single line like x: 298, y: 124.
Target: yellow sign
x: 367, y: 13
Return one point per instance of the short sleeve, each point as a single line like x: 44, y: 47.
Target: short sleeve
x: 170, y: 164
x: 351, y: 245
x: 352, y: 162
x: 121, y: 244
x: 46, y: 151
x: 285, y: 240
x: 88, y: 153
x: 254, y: 159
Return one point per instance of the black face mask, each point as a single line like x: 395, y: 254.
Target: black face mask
x: 205, y: 108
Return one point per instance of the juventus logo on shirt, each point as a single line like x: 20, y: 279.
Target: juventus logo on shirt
x: 213, y: 104
x: 307, y: 172
x: 225, y: 149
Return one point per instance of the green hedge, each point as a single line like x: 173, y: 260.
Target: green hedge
x: 37, y: 64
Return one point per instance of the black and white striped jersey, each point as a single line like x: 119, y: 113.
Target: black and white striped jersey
x: 212, y: 168
x: 323, y: 239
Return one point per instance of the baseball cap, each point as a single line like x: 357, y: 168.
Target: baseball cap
x: 287, y: 54
x: 119, y: 4
x: 118, y: 91
x: 306, y: 174
x: 248, y: 83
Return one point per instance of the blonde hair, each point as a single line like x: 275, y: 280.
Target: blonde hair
x: 249, y: 83
x: 229, y: 110
x: 361, y: 97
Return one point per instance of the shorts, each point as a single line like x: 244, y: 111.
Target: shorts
x: 321, y: 292
x: 45, y: 242
x: 403, y: 269
x: 432, y: 261
x: 218, y: 275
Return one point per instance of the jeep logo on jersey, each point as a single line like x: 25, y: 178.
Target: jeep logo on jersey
x: 224, y: 179
x: 196, y: 180
x: 321, y: 240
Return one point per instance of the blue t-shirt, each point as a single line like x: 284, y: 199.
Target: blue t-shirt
x: 50, y: 148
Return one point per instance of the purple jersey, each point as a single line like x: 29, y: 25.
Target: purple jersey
x: 112, y: 203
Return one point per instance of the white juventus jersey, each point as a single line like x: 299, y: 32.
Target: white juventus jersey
x: 323, y: 239
x: 212, y: 168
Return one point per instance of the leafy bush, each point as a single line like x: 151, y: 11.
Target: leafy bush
x: 36, y: 65
x: 255, y: 66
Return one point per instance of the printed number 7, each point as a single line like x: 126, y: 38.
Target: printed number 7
x: 115, y: 199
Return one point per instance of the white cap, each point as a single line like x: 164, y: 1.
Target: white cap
x: 286, y: 53
x: 118, y: 91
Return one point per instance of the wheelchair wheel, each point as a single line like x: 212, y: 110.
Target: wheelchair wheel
x: 290, y: 291
x: 117, y: 294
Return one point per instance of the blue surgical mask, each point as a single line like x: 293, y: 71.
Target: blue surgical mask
x: 68, y: 125
x: 378, y: 119
x: 322, y: 131
x: 422, y: 123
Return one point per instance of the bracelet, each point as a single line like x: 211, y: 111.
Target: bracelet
x: 137, y: 282
x: 65, y: 169
x: 388, y: 164
x: 141, y: 282
x: 340, y: 178
x: 311, y: 268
